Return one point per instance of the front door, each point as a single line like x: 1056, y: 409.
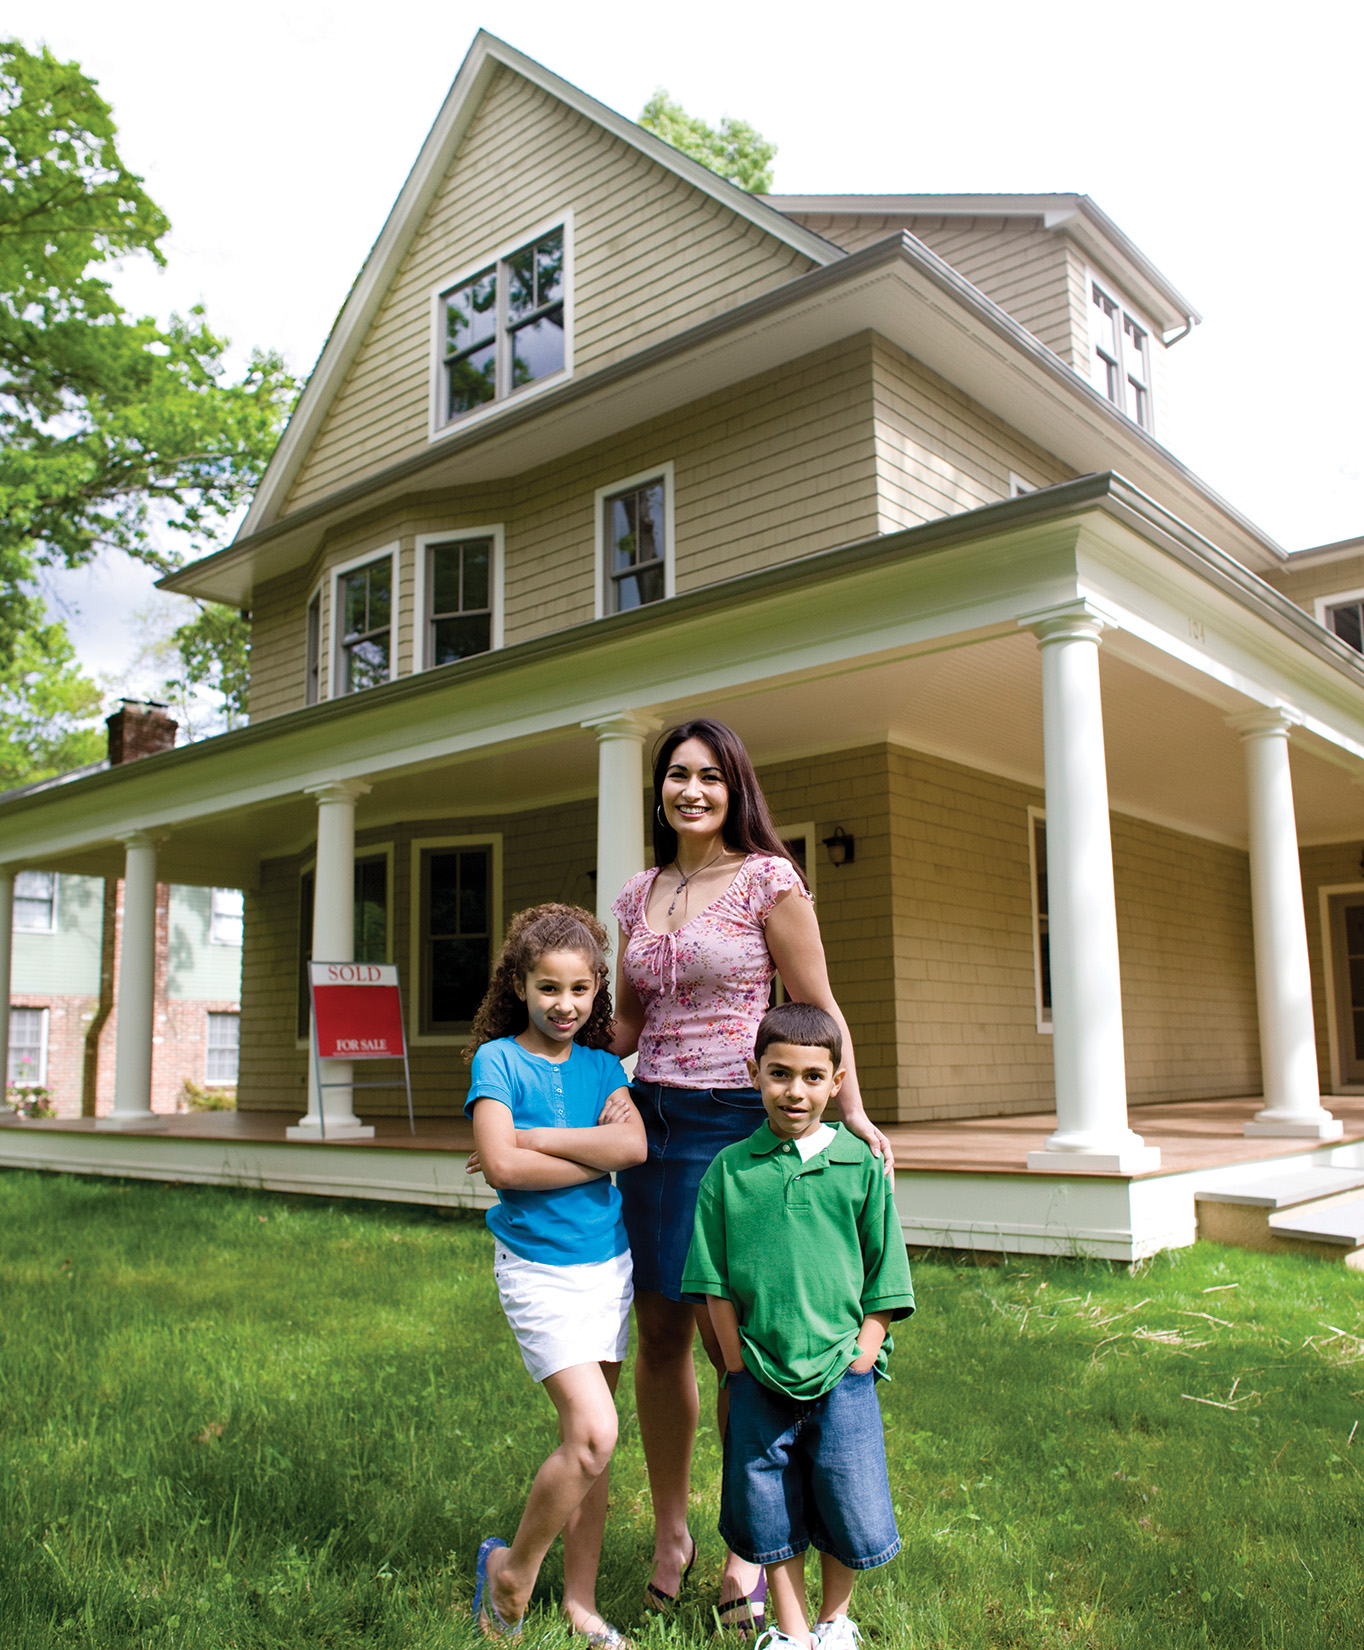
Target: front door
x: 1347, y: 952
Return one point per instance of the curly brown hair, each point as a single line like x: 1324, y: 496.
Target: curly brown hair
x: 530, y: 934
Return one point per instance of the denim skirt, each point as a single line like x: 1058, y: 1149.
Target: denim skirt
x: 686, y: 1128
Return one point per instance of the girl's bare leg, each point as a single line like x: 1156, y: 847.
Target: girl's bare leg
x: 738, y: 1578
x: 587, y: 1428
x: 786, y: 1598
x: 668, y: 1406
x: 582, y: 1543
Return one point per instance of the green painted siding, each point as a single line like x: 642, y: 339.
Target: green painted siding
x: 65, y: 962
x: 195, y: 966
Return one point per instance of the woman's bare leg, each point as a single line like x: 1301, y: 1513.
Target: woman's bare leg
x: 587, y: 1428
x: 668, y: 1406
x: 739, y: 1578
x: 582, y: 1544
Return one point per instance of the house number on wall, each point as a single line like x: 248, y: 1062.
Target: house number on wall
x: 1196, y: 630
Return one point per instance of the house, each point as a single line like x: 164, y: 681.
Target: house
x: 66, y: 940
x: 598, y: 442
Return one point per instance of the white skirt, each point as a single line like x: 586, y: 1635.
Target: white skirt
x: 566, y: 1315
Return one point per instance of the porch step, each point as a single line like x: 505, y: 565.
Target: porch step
x: 1316, y: 1211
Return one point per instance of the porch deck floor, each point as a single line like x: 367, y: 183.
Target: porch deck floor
x: 1191, y: 1135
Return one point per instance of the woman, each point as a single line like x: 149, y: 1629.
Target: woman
x: 700, y: 939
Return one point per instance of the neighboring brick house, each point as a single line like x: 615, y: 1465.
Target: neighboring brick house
x: 599, y: 442
x: 67, y: 944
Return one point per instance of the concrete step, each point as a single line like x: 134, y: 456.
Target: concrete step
x: 1316, y: 1211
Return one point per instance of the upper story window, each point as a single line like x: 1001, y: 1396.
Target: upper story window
x: 225, y: 916
x: 1121, y: 355
x: 458, y: 595
x: 363, y: 618
x: 503, y: 327
x: 1343, y: 615
x: 312, y: 680
x: 635, y: 542
x: 35, y: 902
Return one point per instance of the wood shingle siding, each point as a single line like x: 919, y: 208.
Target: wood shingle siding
x: 525, y: 159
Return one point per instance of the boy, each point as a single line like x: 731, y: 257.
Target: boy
x: 798, y: 1251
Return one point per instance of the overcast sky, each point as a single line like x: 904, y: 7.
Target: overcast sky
x: 1224, y: 141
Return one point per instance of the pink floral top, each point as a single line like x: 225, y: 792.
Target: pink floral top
x: 705, y: 987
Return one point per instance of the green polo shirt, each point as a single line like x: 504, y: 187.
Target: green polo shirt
x: 805, y: 1251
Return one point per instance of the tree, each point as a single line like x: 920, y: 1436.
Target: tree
x: 46, y: 707
x: 215, y: 657
x: 733, y: 149
x: 114, y: 431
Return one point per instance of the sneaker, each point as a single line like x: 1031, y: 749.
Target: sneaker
x: 775, y: 1639
x: 841, y: 1633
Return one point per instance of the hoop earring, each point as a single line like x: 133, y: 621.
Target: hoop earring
x: 658, y: 810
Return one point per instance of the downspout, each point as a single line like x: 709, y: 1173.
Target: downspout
x: 90, y: 1071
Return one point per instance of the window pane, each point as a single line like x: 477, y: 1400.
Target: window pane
x: 354, y: 594
x: 367, y: 663
x: 549, y: 268
x: 459, y: 977
x: 1354, y: 930
x: 460, y: 638
x: 226, y: 906
x: 650, y: 522
x: 222, y: 1048
x: 538, y: 348
x: 471, y: 313
x: 478, y: 555
x: 305, y: 950
x: 521, y: 284
x: 472, y: 380
x: 443, y: 894
x: 371, y: 910
x: 1345, y: 621
x: 380, y: 587
x: 35, y: 894
x: 639, y: 589
x: 311, y: 690
x: 445, y: 564
x: 473, y: 892
x: 624, y: 541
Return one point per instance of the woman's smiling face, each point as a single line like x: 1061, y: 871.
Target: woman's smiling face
x: 695, y: 796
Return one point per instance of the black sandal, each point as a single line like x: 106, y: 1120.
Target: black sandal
x: 744, y: 1616
x: 660, y: 1602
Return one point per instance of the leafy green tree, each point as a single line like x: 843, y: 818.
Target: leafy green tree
x: 215, y: 658
x: 46, y: 708
x: 114, y: 431
x: 733, y: 148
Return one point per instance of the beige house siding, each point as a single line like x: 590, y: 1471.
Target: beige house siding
x: 778, y: 467
x: 1334, y: 866
x: 1304, y: 585
x: 653, y: 256
x: 937, y: 451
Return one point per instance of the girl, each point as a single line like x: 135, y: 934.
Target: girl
x: 552, y: 1118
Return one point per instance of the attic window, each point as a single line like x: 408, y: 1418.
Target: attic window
x: 1120, y: 355
x: 502, y: 328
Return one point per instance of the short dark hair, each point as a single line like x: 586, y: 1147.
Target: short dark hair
x: 802, y: 1024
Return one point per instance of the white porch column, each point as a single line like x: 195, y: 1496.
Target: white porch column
x: 6, y: 953
x: 135, y: 991
x: 1283, y: 982
x: 1092, y: 1136
x: 333, y: 941
x: 620, y: 815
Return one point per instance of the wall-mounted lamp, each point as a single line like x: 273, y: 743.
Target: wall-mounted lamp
x: 842, y: 847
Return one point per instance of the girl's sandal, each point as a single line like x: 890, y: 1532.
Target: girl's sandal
x: 489, y: 1623
x: 743, y: 1616
x: 606, y: 1637
x: 662, y: 1603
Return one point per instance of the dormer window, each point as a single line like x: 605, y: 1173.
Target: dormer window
x: 503, y: 327
x: 1121, y: 355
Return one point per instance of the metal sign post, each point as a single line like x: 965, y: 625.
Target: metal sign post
x: 357, y: 1015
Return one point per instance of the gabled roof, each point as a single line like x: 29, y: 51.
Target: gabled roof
x: 485, y: 57
x: 1074, y: 215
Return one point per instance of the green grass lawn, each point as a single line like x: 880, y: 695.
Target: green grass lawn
x: 235, y: 1420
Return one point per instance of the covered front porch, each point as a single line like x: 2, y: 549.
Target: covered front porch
x: 1074, y: 659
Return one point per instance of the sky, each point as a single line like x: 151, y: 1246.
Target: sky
x: 1223, y: 140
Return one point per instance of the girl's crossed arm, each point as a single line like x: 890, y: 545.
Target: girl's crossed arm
x: 506, y: 1163
x: 615, y: 1141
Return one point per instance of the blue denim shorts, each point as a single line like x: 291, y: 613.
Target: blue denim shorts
x: 686, y: 1129
x: 798, y: 1475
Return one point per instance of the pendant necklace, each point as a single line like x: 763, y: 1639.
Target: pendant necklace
x: 696, y: 873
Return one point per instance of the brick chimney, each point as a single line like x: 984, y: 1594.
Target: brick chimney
x: 139, y: 728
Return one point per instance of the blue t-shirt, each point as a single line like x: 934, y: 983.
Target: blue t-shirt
x: 566, y: 1225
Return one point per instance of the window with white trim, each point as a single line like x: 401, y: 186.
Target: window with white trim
x: 27, y: 1048
x: 1120, y: 354
x: 1344, y: 618
x: 312, y: 679
x: 222, y: 1044
x: 35, y: 902
x: 225, y: 916
x: 635, y: 541
x: 503, y: 327
x: 459, y: 599
x: 457, y: 915
x: 363, y: 618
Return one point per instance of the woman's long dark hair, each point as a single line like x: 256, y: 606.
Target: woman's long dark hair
x: 748, y: 827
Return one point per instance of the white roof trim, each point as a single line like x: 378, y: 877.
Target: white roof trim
x: 485, y: 56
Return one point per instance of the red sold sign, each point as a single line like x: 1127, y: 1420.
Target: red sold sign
x: 357, y: 1011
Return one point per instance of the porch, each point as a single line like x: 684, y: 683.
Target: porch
x: 962, y: 1183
